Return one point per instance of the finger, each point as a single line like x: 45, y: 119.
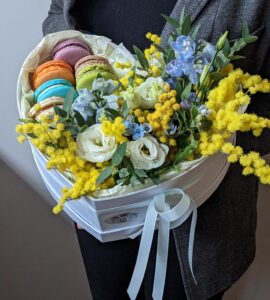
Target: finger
x: 78, y: 226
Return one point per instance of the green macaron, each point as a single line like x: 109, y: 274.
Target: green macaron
x: 88, y: 74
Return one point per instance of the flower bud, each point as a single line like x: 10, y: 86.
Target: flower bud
x: 221, y: 41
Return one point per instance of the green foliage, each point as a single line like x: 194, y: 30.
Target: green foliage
x: 182, y: 154
x: 119, y: 154
x: 125, y: 110
x: 141, y: 58
x: 67, y: 105
x: 79, y: 118
x: 105, y: 174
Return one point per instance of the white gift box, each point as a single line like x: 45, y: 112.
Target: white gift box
x: 119, y: 216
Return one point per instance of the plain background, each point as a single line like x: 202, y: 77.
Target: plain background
x: 39, y: 253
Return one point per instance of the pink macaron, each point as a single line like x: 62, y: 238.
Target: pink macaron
x: 71, y: 51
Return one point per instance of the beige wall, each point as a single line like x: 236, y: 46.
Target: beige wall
x: 39, y: 253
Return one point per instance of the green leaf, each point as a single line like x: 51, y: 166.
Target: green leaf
x: 131, y: 81
x: 216, y: 76
x: 194, y: 32
x: 186, y: 25
x: 237, y: 57
x: 170, y: 20
x: 32, y: 135
x: 90, y: 121
x: 133, y: 180
x: 129, y: 165
x: 119, y: 154
x: 125, y: 110
x: 194, y: 112
x: 227, y: 48
x: 251, y: 39
x: 182, y: 16
x: 27, y: 120
x: 121, y: 181
x: 219, y: 63
x: 60, y: 112
x: 141, y: 57
x: 155, y: 178
x: 178, y: 88
x: 67, y: 105
x: 79, y: 118
x: 140, y: 179
x: 170, y: 55
x: 123, y: 173
x: 111, y: 113
x: 245, y: 31
x: 105, y: 174
x: 186, y: 91
x: 141, y: 173
x: 181, y: 155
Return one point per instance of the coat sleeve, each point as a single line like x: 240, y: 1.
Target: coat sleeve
x: 56, y: 19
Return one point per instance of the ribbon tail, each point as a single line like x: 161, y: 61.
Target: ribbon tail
x: 143, y: 254
x: 191, y: 238
x: 162, y: 259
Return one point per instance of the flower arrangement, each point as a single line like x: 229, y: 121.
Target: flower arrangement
x: 139, y: 117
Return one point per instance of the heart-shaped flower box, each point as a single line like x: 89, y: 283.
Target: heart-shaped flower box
x: 120, y: 212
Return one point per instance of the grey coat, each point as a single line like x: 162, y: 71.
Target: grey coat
x: 225, y: 234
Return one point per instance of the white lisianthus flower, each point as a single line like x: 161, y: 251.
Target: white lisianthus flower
x: 149, y: 91
x: 94, y: 146
x: 147, y: 153
x: 131, y: 97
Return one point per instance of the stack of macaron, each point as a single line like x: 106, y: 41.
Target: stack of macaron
x: 53, y: 80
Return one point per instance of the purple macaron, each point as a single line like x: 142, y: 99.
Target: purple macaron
x: 71, y: 51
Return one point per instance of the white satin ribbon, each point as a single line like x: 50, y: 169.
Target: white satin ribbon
x: 170, y: 213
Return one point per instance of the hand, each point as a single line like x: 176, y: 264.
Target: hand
x: 79, y: 227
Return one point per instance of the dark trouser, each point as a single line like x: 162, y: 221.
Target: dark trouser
x: 109, y: 268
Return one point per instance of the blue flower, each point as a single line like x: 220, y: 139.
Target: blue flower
x: 92, y: 102
x: 203, y: 110
x: 112, y: 101
x: 147, y: 127
x: 82, y: 103
x: 171, y: 82
x: 136, y: 130
x: 184, y: 47
x: 209, y: 52
x: 189, y: 62
x: 185, y: 105
x: 191, y: 67
x: 172, y: 128
x: 175, y: 68
x: 192, y: 98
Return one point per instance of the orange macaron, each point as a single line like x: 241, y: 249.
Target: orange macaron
x: 50, y: 70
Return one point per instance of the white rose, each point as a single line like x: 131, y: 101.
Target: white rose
x: 114, y: 53
x: 149, y: 91
x: 146, y: 153
x: 94, y: 146
x: 120, y: 54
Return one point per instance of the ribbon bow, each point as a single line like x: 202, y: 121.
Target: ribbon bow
x: 170, y: 213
